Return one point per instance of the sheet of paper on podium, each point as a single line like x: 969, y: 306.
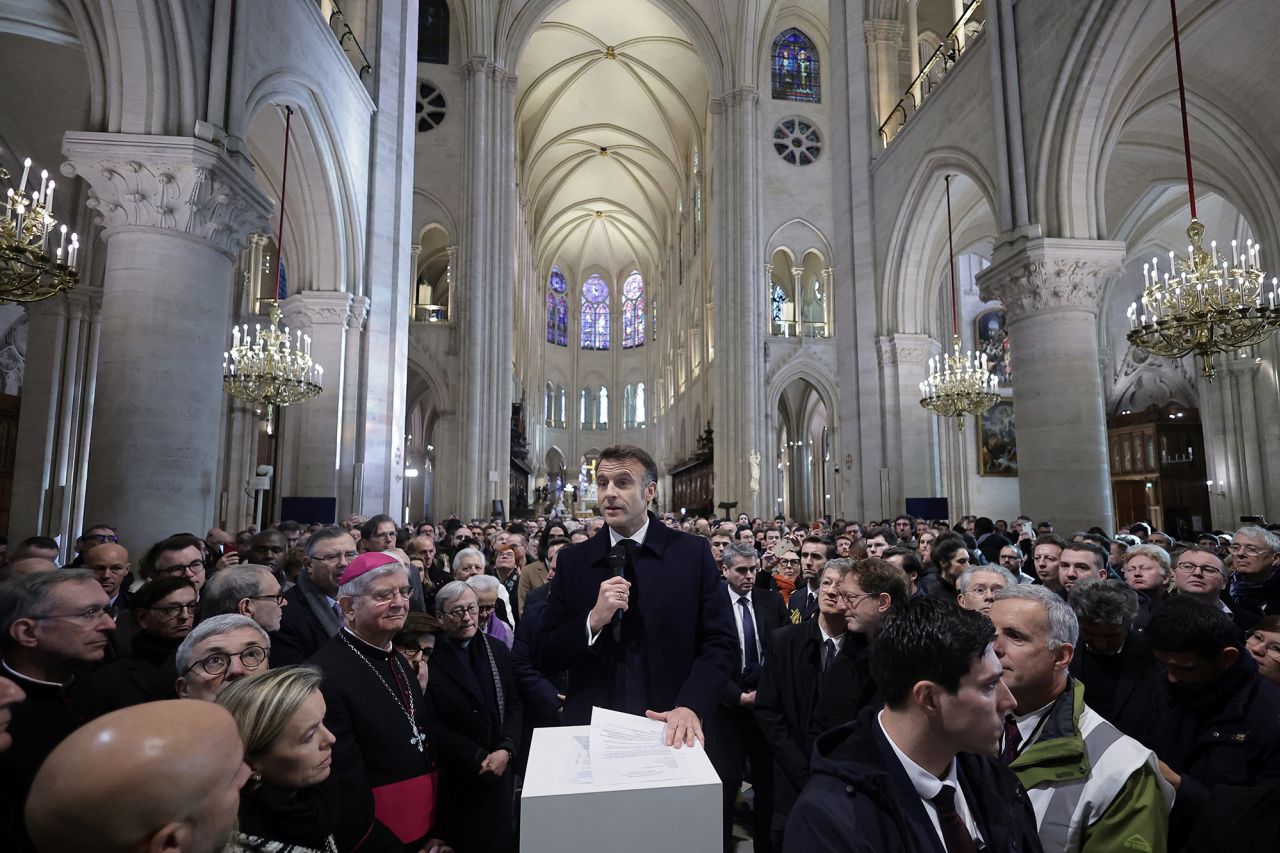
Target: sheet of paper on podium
x: 625, y: 749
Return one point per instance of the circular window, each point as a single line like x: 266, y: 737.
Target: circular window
x: 797, y: 141
x: 431, y: 106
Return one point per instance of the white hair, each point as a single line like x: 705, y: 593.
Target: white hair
x: 215, y: 626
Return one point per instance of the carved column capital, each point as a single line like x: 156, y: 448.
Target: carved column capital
x: 905, y: 349
x: 172, y: 183
x: 880, y: 30
x: 1040, y: 275
x: 310, y: 308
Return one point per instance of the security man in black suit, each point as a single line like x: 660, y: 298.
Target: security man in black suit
x: 736, y: 738
x: 795, y: 662
x: 674, y: 647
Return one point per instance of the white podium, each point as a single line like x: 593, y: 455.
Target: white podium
x: 563, y: 809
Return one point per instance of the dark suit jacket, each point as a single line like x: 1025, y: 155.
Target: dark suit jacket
x: 537, y: 691
x: 1111, y: 684
x: 992, y: 545
x: 802, y: 603
x: 785, y: 701
x: 689, y: 643
x: 733, y: 723
x: 474, y: 811
x: 306, y: 624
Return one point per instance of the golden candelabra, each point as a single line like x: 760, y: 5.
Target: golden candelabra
x: 1203, y: 303
x: 271, y: 366
x: 959, y: 384
x: 31, y: 268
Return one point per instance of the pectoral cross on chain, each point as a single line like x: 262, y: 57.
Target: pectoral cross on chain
x: 417, y: 739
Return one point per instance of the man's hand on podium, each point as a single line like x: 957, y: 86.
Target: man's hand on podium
x: 683, y: 726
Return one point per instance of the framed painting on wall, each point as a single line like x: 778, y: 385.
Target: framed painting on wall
x: 997, y: 444
x: 993, y: 342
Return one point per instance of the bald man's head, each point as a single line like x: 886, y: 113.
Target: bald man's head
x: 158, y: 776
x: 109, y: 563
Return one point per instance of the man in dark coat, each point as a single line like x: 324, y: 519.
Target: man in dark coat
x: 789, y: 691
x: 920, y: 774
x: 51, y: 624
x: 476, y: 729
x: 989, y: 540
x: 541, y: 694
x: 735, y: 735
x: 310, y: 616
x: 814, y: 553
x: 1207, y: 714
x: 1112, y: 659
x: 674, y: 646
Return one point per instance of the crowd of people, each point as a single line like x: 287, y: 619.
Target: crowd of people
x: 903, y: 684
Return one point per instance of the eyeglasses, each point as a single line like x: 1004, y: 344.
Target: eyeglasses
x: 460, y: 612
x: 485, y: 608
x: 173, y: 571
x: 1247, y: 550
x: 788, y: 562
x: 852, y: 600
x: 1192, y: 568
x: 99, y: 537
x: 982, y: 590
x: 173, y: 610
x: 88, y: 616
x: 278, y: 599
x: 329, y: 558
x: 416, y: 651
x: 217, y: 663
x: 386, y: 595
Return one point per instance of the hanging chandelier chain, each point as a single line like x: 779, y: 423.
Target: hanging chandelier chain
x: 951, y: 257
x: 284, y: 183
x: 1182, y: 101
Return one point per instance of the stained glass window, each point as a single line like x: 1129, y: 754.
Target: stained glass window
x: 433, y: 32
x: 595, y: 313
x: 633, y: 311
x: 602, y: 415
x: 557, y: 309
x: 641, y: 416
x: 795, y: 68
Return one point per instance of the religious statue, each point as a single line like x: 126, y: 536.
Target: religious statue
x: 754, y: 460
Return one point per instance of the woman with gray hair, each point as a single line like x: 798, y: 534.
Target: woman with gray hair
x: 488, y: 590
x: 284, y: 808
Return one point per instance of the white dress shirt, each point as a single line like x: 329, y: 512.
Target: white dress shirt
x: 837, y: 639
x: 928, y: 786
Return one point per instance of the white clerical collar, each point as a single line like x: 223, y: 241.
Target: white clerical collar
x: 348, y: 630
x: 638, y: 537
x: 13, y: 671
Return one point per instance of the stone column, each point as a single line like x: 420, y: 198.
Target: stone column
x: 1051, y: 290
x: 737, y: 380
x: 350, y: 470
x: 53, y: 426
x: 904, y: 364
x: 175, y: 211
x: 313, y: 431
x: 883, y: 38
x: 1237, y: 462
x: 913, y: 44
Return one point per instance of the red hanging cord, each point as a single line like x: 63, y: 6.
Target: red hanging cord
x: 951, y: 254
x: 284, y: 182
x: 1182, y: 100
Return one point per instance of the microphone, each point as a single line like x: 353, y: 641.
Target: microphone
x: 617, y: 566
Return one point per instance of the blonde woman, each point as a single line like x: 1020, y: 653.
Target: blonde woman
x: 285, y: 807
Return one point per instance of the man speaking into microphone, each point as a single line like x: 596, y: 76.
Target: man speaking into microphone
x: 637, y: 614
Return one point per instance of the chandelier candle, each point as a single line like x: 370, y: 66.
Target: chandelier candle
x: 28, y: 273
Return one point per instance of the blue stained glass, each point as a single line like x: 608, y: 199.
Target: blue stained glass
x: 795, y: 68
x: 633, y: 311
x: 779, y: 299
x: 557, y: 309
x: 595, y: 314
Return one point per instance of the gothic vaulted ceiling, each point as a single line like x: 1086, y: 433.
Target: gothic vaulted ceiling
x: 612, y: 100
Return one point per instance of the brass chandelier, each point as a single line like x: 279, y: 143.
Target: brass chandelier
x: 272, y: 367
x: 960, y: 383
x: 1202, y: 303
x: 31, y: 268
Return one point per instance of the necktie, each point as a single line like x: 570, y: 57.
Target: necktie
x: 748, y: 633
x: 1012, y: 740
x: 337, y: 611
x: 955, y: 835
x: 830, y: 656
